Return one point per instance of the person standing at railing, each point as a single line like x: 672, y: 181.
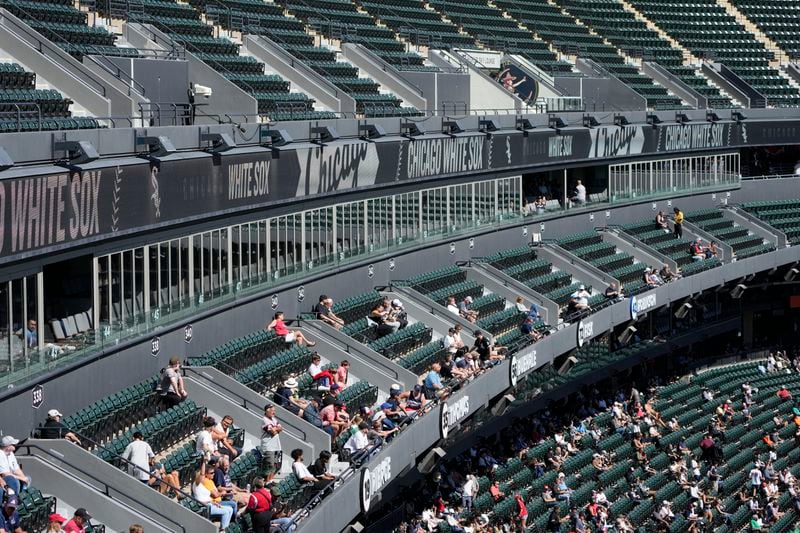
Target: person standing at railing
x: 677, y: 219
x: 139, y: 454
x: 270, y: 447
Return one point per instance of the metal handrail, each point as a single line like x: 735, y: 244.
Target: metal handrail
x: 90, y: 475
x: 107, y: 64
x: 43, y: 47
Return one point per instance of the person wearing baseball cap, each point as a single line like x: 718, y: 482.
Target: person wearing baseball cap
x: 13, y: 476
x: 79, y: 521
x: 56, y: 521
x: 9, y: 517
x: 54, y: 428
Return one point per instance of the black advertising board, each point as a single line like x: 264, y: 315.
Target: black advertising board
x: 57, y: 209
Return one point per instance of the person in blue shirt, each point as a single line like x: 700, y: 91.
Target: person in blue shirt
x: 433, y: 381
x: 9, y: 517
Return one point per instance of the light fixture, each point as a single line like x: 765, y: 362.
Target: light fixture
x: 590, y: 122
x: 452, y: 127
x: 274, y: 138
x: 683, y: 310
x: 156, y: 146
x: 737, y: 291
x: 653, y: 120
x: 711, y: 116
x: 368, y: 132
x: 620, y: 120
x: 486, y: 125
x: 77, y: 152
x: 790, y: 274
x: 627, y: 335
x: 5, y: 160
x: 220, y: 142
x: 323, y: 134
x: 682, y: 118
x: 409, y: 130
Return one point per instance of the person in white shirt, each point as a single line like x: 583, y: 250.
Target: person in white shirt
x: 755, y: 476
x: 11, y: 473
x: 468, y: 491
x: 580, y: 299
x: 449, y: 341
x: 452, y: 307
x: 358, y: 442
x: 205, y: 441
x: 270, y: 447
x: 139, y: 454
x: 520, y: 305
x: 580, y: 193
x: 664, y: 513
x: 300, y: 470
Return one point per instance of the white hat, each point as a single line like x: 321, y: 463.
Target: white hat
x: 468, y: 299
x: 290, y: 383
x: 395, y: 386
x: 666, y: 502
x: 8, y: 440
x: 397, y: 303
x: 582, y: 287
x: 52, y: 413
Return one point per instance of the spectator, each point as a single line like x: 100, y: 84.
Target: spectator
x: 282, y: 522
x: 53, y: 428
x: 311, y: 413
x: 468, y: 491
x: 334, y: 418
x: 321, y: 467
x: 696, y: 250
x: 205, y: 492
x: 80, y: 519
x: 322, y: 378
x: 487, y: 352
x: 9, y: 517
x: 520, y: 305
x: 324, y: 312
x: 579, y: 195
x: 563, y: 492
x: 342, y: 374
x: 661, y: 221
x: 285, y: 397
x: 528, y: 328
x: 358, y: 443
x: 136, y: 528
x: 433, y: 382
x: 416, y: 399
x: 541, y: 205
x: 398, y: 313
x: 612, y: 292
x: 379, y: 316
x: 220, y: 433
x: 650, y: 279
x: 289, y: 336
x: 452, y: 306
x: 449, y: 341
x: 205, y: 443
x: 259, y: 505
x: 711, y: 250
x: 139, y: 455
x: 494, y: 490
x: 466, y: 311
x: 784, y: 393
x: 664, y: 514
x: 164, y: 482
x: 270, y: 447
x: 12, y: 474
x: 521, y: 516
x: 579, y: 300
x: 667, y: 274
x: 229, y: 491
x: 299, y: 469
x: 171, y: 387
x: 31, y: 335
x: 677, y: 220
x: 55, y: 523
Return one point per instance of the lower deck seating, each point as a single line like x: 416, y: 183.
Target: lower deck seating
x: 718, y: 224
x: 780, y: 214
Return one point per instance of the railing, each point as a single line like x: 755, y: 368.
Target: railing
x: 55, y: 54
x: 95, y: 56
x: 87, y: 474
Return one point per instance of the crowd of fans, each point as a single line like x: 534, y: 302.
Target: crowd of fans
x: 448, y: 495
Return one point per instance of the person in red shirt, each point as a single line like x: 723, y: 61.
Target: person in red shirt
x: 784, y: 393
x: 79, y: 521
x: 495, y: 491
x: 260, y: 506
x: 522, y: 513
x: 290, y: 336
